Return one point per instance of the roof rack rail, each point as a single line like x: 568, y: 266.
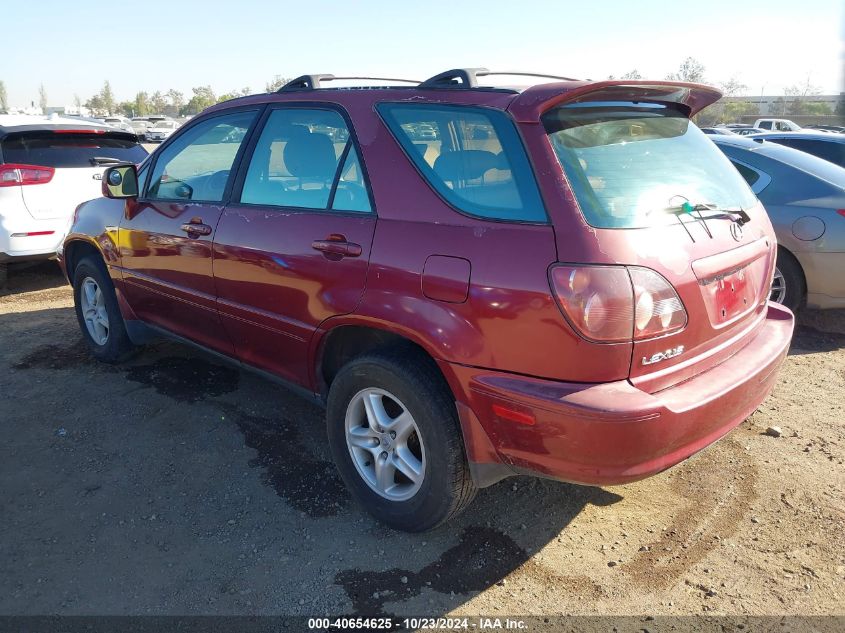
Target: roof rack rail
x: 467, y: 78
x: 312, y: 82
x: 463, y: 78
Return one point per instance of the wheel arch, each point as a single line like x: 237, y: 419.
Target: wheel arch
x: 344, y: 340
x: 75, y: 250
x: 788, y: 252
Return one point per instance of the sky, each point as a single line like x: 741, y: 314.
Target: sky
x: 153, y: 45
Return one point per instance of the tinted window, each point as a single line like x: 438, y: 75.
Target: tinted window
x: 765, y: 125
x: 197, y: 165
x: 51, y: 149
x: 472, y: 157
x: 629, y: 164
x: 749, y: 174
x: 834, y: 152
x: 297, y: 163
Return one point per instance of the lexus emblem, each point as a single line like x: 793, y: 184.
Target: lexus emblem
x: 97, y: 176
x: 736, y: 231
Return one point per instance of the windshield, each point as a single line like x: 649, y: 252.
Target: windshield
x: 628, y: 163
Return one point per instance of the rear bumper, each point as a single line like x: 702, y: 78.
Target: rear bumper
x: 15, y: 245
x: 614, y: 433
x: 5, y: 258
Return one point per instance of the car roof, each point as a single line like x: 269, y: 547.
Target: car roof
x: 788, y: 156
x: 810, y: 135
x: 32, y: 123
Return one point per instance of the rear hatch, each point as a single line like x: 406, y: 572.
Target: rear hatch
x: 78, y: 157
x: 657, y: 194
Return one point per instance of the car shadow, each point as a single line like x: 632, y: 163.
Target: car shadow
x: 818, y: 331
x: 31, y: 277
x: 497, y: 536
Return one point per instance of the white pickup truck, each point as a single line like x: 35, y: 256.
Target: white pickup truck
x: 779, y: 125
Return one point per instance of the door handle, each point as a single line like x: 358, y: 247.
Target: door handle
x: 196, y: 227
x: 338, y: 246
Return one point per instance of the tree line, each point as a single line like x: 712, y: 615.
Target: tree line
x: 104, y: 103
x: 174, y: 101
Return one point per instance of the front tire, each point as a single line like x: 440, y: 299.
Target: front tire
x: 788, y: 286
x: 395, y: 438
x: 98, y: 313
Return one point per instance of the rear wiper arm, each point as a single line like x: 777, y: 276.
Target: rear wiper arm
x: 738, y: 215
x: 104, y: 160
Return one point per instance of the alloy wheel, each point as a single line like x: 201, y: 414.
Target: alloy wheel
x: 385, y: 444
x: 94, y: 313
x: 778, y: 292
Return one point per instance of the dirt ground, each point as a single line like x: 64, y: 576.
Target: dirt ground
x: 177, y: 485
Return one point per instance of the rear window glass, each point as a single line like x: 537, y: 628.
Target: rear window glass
x: 629, y: 165
x: 473, y: 158
x: 829, y: 150
x: 808, y: 163
x: 52, y: 149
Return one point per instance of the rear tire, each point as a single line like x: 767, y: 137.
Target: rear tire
x: 789, y: 287
x: 98, y: 313
x: 403, y: 390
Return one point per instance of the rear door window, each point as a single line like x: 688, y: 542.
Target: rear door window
x: 630, y: 164
x: 305, y: 158
x: 831, y: 151
x: 70, y: 148
x: 473, y: 157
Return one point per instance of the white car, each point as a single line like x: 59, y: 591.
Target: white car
x: 119, y: 122
x: 48, y: 166
x: 161, y: 130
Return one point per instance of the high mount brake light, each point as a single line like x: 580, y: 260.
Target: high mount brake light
x: 614, y: 304
x: 82, y: 131
x: 14, y: 175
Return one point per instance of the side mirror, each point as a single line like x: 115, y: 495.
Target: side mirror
x: 184, y: 190
x: 120, y: 182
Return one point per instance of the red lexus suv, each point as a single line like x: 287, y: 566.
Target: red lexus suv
x: 569, y: 281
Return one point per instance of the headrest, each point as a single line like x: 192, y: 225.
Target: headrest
x: 310, y: 155
x: 467, y: 164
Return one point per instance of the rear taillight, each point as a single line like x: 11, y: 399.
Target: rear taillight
x: 14, y: 175
x: 658, y: 307
x: 841, y: 212
x: 612, y: 304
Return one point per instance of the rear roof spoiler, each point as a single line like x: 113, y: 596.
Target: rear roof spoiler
x: 534, y: 101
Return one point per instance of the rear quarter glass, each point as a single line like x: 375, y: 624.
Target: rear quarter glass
x: 629, y: 163
x: 471, y: 156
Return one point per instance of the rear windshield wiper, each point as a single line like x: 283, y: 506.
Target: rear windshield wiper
x: 104, y: 160
x: 737, y: 215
